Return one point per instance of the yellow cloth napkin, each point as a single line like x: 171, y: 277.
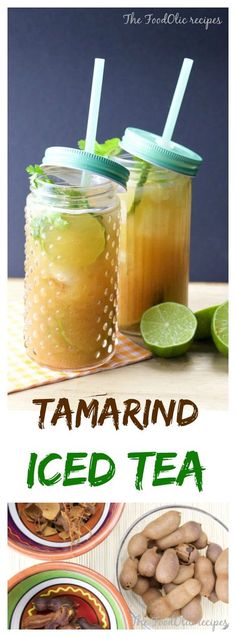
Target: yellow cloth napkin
x: 23, y: 373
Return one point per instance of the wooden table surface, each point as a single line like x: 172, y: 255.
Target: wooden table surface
x: 201, y: 374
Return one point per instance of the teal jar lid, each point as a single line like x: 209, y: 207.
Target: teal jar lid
x: 74, y: 158
x: 155, y: 150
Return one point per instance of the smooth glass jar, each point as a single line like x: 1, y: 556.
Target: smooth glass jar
x: 71, y: 270
x: 154, y: 242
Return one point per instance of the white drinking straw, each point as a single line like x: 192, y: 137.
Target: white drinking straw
x: 93, y: 114
x: 177, y: 99
x: 95, y: 98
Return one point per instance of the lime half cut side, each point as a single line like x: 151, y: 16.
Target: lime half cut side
x: 204, y: 319
x: 168, y: 329
x: 219, y: 328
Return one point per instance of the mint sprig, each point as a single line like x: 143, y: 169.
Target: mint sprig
x: 39, y: 225
x: 35, y: 171
x: 145, y: 168
x: 109, y: 148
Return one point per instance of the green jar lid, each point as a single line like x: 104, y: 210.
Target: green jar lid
x: 74, y: 158
x: 155, y: 150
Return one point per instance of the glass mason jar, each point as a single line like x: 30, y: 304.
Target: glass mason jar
x: 71, y: 270
x: 154, y: 240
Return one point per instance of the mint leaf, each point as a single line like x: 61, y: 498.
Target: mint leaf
x: 79, y: 202
x: 40, y: 225
x: 35, y: 171
x: 145, y: 168
x: 110, y: 147
x: 31, y: 169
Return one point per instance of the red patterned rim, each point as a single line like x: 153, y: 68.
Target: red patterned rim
x: 26, y: 547
x: 76, y: 568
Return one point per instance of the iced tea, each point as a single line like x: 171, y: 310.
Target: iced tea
x: 72, y: 237
x: 154, y: 244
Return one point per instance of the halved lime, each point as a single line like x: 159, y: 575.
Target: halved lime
x: 219, y: 328
x: 204, y: 319
x: 168, y: 329
x: 76, y: 244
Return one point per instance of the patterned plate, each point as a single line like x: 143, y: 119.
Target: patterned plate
x: 95, y: 597
x: 21, y: 535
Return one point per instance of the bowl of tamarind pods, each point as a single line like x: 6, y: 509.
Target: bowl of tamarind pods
x: 172, y: 568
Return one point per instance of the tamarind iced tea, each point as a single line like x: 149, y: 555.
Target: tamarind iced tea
x: 71, y: 274
x: 154, y: 243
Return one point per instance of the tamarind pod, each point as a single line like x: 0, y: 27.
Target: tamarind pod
x: 129, y: 573
x: 167, y: 589
x: 192, y: 611
x: 221, y: 570
x: 168, y: 567
x: 202, y: 541
x: 187, y: 553
x: 163, y: 525
x: 222, y: 588
x: 188, y: 533
x: 184, y: 573
x: 213, y: 552
x: 176, y: 599
x: 151, y: 594
x: 204, y: 573
x: 148, y: 562
x: 221, y: 565
x: 137, y: 545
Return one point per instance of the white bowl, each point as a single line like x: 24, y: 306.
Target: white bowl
x: 214, y: 615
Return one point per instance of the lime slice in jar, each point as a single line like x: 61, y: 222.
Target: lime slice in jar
x: 219, y: 328
x: 168, y: 329
x: 78, y: 329
x: 76, y: 244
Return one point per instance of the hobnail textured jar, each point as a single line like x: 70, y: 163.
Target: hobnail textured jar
x: 71, y: 272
